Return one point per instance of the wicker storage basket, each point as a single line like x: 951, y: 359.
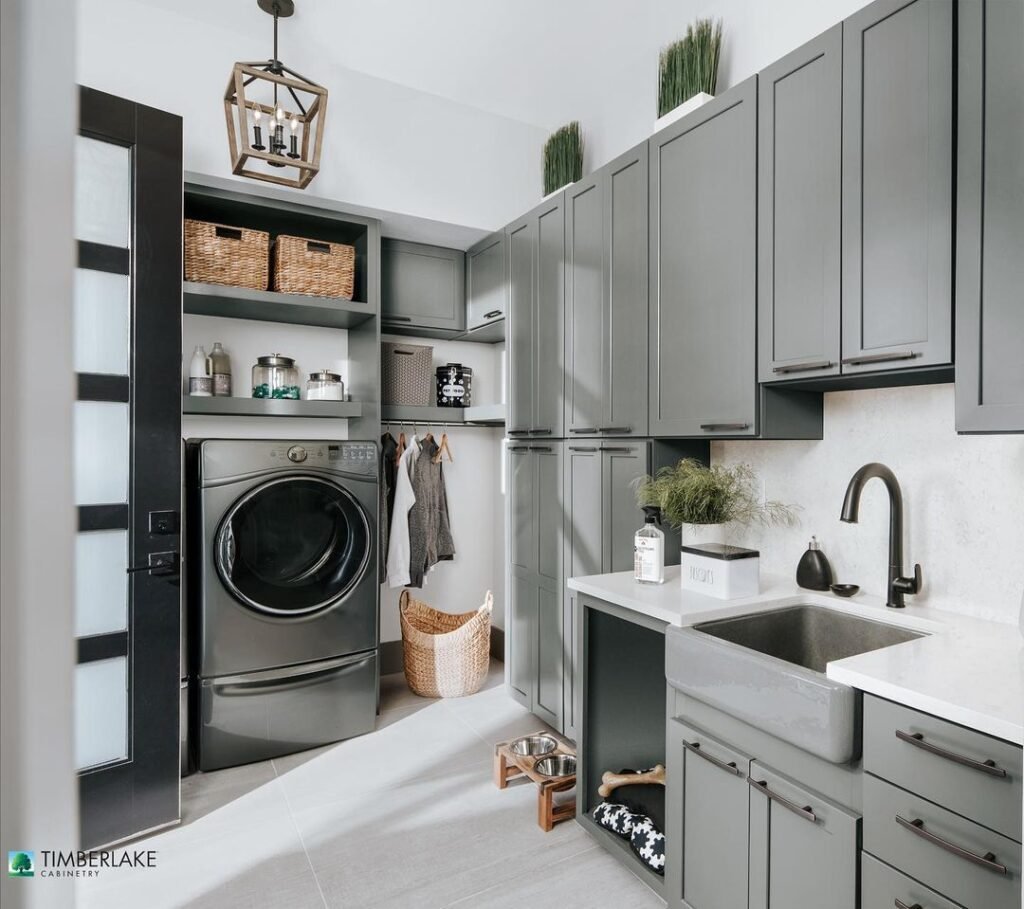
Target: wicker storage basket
x: 314, y: 267
x: 219, y: 254
x: 445, y: 655
x: 408, y: 374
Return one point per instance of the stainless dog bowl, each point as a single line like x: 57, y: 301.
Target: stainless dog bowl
x: 556, y: 765
x: 533, y: 745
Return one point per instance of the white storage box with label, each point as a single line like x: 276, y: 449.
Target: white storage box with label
x: 719, y: 570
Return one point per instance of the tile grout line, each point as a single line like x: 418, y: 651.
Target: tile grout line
x: 302, y: 841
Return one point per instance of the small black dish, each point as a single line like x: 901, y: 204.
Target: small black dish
x: 844, y: 590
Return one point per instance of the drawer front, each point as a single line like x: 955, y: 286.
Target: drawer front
x: 968, y: 772
x: 882, y: 887
x: 935, y: 846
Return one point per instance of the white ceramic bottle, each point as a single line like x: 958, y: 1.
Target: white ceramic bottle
x: 649, y: 549
x: 200, y: 378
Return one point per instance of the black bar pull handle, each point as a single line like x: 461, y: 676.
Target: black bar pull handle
x: 916, y: 826
x: 902, y: 905
x: 396, y: 318
x: 158, y: 562
x: 614, y: 428
x: 583, y: 448
x: 540, y: 448
x: 583, y: 430
x: 802, y: 367
x: 918, y: 741
x: 806, y: 812
x: 880, y: 358
x: 619, y: 449
x: 540, y: 432
x: 724, y: 427
x: 492, y: 313
x: 730, y: 767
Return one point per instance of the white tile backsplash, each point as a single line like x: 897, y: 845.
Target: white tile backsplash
x: 963, y: 499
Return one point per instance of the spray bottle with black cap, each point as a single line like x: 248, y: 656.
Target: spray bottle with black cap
x: 649, y: 549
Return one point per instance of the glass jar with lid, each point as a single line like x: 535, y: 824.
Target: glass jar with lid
x: 275, y: 377
x: 325, y: 386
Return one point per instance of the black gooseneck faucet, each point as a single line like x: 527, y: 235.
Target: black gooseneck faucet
x: 897, y: 584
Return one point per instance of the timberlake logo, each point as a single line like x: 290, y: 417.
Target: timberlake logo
x: 76, y: 863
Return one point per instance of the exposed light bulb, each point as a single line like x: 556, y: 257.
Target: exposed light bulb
x: 257, y: 114
x: 294, y: 124
x: 280, y: 115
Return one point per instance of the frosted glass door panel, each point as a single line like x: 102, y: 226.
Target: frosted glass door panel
x: 101, y: 582
x: 101, y: 453
x: 102, y: 317
x: 101, y: 712
x: 103, y: 192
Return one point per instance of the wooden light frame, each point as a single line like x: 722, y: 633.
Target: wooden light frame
x: 311, y: 115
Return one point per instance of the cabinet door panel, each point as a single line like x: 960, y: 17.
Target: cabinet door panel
x: 799, y: 188
x: 796, y: 860
x: 423, y: 285
x: 703, y: 224
x: 625, y: 347
x: 549, y: 512
x: 897, y: 185
x: 621, y: 515
x: 990, y: 218
x: 549, y: 681
x: 523, y: 613
x: 549, y: 313
x: 584, y: 305
x: 521, y: 241
x: 486, y: 281
x: 522, y: 494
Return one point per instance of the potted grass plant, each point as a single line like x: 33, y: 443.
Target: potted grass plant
x: 563, y: 158
x: 688, y: 71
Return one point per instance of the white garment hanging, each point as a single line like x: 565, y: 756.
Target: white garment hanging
x: 399, y: 551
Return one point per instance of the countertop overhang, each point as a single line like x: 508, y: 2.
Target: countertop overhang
x: 966, y: 670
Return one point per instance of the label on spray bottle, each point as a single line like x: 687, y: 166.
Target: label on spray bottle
x: 648, y: 557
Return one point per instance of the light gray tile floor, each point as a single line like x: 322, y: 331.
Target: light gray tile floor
x: 407, y: 816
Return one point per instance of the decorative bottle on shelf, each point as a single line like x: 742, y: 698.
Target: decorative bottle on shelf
x: 200, y: 382
x: 813, y: 571
x: 220, y: 366
x: 649, y: 549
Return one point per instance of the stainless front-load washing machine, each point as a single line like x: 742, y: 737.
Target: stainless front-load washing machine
x: 283, y: 595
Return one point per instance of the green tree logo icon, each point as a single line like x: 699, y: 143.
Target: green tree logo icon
x: 20, y: 864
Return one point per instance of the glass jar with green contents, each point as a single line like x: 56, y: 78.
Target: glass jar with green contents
x: 275, y: 377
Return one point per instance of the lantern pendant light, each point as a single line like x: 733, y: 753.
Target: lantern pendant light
x: 275, y: 117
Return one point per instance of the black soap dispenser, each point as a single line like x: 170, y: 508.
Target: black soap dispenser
x: 813, y: 571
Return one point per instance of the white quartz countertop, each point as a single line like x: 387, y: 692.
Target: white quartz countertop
x: 965, y: 670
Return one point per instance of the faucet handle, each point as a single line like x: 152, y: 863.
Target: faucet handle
x: 909, y: 585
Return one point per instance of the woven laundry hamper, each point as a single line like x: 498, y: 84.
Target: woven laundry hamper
x: 445, y: 655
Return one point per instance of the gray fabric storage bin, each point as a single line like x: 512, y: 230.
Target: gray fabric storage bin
x: 408, y: 374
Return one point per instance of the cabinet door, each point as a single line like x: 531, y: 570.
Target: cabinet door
x: 799, y: 206
x: 897, y: 185
x: 707, y: 819
x: 486, y: 281
x: 583, y: 553
x: 990, y: 218
x: 803, y: 848
x: 522, y: 537
x: 549, y: 641
x: 703, y: 296
x: 549, y: 314
x: 422, y: 285
x: 584, y: 307
x: 621, y: 516
x: 624, y: 351
x: 522, y: 635
x: 521, y: 268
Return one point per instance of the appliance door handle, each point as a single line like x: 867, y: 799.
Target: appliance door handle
x: 806, y: 812
x: 916, y: 827
x: 288, y: 677
x: 162, y: 563
x: 918, y: 741
x: 724, y: 427
x: 880, y: 358
x: 802, y: 367
x: 730, y: 767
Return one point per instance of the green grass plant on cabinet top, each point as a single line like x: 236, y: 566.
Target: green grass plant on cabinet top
x: 690, y: 65
x: 563, y: 157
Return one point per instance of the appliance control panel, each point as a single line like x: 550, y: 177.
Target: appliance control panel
x: 359, y: 457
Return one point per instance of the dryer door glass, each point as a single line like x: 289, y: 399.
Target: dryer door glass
x: 293, y: 546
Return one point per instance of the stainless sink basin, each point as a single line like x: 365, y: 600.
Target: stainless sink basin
x: 768, y: 669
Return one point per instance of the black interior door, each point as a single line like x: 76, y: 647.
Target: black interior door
x: 127, y: 465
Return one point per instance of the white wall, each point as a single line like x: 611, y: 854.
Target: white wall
x: 963, y: 499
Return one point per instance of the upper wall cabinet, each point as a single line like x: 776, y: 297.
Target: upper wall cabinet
x: 799, y: 195
x: 606, y: 299
x: 486, y: 281
x: 536, y: 247
x: 897, y: 185
x: 422, y: 289
x: 990, y: 218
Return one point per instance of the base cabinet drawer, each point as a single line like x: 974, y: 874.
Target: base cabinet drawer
x: 968, y: 772
x: 883, y: 887
x: 972, y: 865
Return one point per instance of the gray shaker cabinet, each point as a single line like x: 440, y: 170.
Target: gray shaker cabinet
x: 990, y: 218
x: 897, y: 185
x: 799, y: 205
x: 536, y: 314
x: 703, y: 295
x: 422, y: 287
x: 534, y: 643
x: 803, y: 848
x: 486, y: 281
x: 606, y: 299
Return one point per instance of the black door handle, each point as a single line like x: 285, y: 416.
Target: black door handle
x: 163, y: 563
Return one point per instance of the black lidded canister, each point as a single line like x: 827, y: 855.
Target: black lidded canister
x: 813, y: 572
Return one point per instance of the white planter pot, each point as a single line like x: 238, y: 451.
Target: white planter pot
x: 688, y: 106
x: 695, y: 534
x: 720, y: 571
